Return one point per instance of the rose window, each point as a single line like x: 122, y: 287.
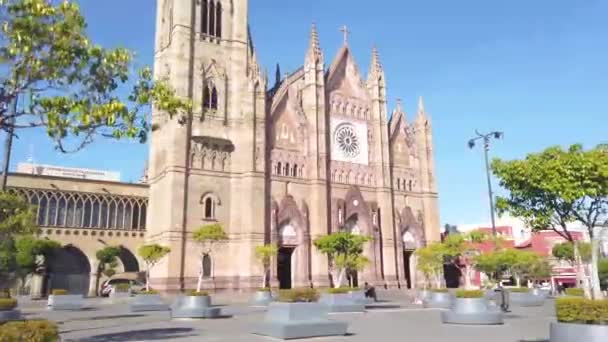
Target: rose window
x: 347, y: 140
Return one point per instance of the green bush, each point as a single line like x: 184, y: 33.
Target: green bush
x: 59, y: 292
x: 581, y: 310
x: 442, y: 290
x: 519, y: 290
x: 469, y: 294
x: 5, y: 293
x: 575, y: 292
x: 264, y: 289
x: 29, y: 331
x: 147, y: 292
x: 341, y: 290
x: 304, y: 295
x: 122, y: 287
x: 194, y: 293
x: 7, y: 304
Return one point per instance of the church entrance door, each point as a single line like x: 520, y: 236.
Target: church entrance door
x: 284, y: 267
x: 407, y: 271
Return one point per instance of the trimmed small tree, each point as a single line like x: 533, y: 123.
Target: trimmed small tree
x: 32, y: 255
x: 430, y: 261
x: 107, y: 260
x: 264, y: 254
x: 490, y: 264
x: 151, y: 255
x: 17, y: 218
x: 565, y: 252
x: 519, y: 263
x: 464, y: 246
x: 345, y: 253
x: 209, y: 237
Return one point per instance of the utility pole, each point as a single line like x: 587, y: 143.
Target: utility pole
x: 8, y: 145
x: 486, y: 148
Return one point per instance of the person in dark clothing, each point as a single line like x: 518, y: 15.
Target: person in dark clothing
x: 370, y: 292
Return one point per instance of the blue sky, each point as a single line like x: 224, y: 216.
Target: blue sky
x: 537, y: 70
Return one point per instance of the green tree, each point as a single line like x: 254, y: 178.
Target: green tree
x: 68, y: 85
x: 345, y: 252
x: 107, y: 260
x: 430, y: 261
x: 491, y: 264
x: 464, y: 246
x: 541, y: 270
x: 565, y: 251
x: 151, y: 255
x: 556, y: 187
x: 519, y: 263
x: 209, y: 237
x: 16, y: 218
x: 32, y: 255
x: 264, y: 254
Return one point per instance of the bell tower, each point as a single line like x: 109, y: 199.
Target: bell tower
x: 209, y: 164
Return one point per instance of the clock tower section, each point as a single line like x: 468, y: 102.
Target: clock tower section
x: 207, y: 167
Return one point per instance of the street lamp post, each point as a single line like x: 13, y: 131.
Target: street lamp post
x: 486, y: 148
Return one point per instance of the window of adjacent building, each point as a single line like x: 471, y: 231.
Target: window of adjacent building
x: 211, y: 18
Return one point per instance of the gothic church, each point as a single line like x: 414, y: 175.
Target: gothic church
x: 282, y: 163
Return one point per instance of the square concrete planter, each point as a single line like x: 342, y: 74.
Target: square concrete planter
x: 10, y: 315
x: 262, y: 298
x: 342, y: 302
x: 571, y: 332
x: 65, y: 302
x: 525, y: 299
x: 359, y: 297
x: 299, y: 320
x: 119, y: 297
x: 472, y: 311
x: 148, y: 302
x: 439, y: 300
x: 194, y: 307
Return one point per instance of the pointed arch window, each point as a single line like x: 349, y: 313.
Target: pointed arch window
x: 205, y: 16
x: 210, y: 202
x: 213, y: 104
x: 218, y: 20
x: 211, y: 18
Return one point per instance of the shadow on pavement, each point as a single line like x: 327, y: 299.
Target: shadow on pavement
x: 534, y: 341
x: 142, y: 335
x: 382, y: 306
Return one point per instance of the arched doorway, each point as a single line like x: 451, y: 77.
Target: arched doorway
x: 290, y: 232
x: 69, y: 269
x: 409, y: 246
x: 128, y: 260
x: 288, y: 237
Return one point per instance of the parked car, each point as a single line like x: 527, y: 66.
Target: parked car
x: 134, y: 279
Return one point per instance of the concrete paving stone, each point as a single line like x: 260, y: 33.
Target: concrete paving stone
x: 391, y: 320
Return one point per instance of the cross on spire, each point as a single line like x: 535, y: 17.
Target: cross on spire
x: 345, y: 31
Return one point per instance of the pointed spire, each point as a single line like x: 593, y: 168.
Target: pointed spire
x: 314, y: 46
x: 421, y: 112
x: 277, y: 75
x: 398, y: 104
x: 375, y: 65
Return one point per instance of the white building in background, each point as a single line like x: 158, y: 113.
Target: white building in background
x: 67, y: 172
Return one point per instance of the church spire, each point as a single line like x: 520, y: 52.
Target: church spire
x: 375, y: 66
x: 421, y: 112
x: 314, y: 48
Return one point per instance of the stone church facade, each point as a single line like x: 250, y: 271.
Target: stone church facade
x: 283, y: 163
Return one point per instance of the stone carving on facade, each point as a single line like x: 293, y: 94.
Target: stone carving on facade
x: 211, y: 154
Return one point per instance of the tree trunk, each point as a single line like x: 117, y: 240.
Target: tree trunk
x: 517, y: 281
x: 580, y: 276
x: 147, y: 277
x: 467, y: 277
x: 265, y: 276
x: 596, y: 292
x: 199, y: 284
x: 97, y: 278
x: 340, y: 278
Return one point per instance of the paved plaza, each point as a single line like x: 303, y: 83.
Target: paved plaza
x: 391, y: 320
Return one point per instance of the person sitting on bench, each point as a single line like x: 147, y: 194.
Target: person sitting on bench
x: 370, y: 292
